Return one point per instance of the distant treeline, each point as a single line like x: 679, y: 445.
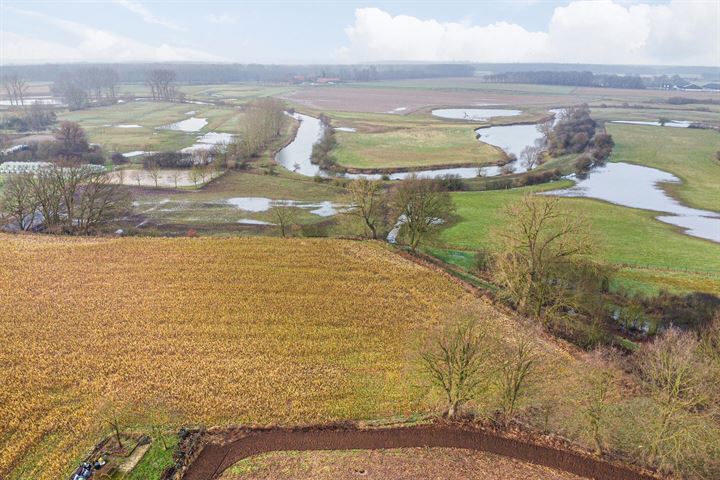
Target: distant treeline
x: 572, y: 78
x: 192, y: 73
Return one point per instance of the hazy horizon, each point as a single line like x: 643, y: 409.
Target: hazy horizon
x: 602, y: 32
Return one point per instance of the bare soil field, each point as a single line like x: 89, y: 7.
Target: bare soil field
x: 398, y: 464
x: 385, y: 98
x: 236, y: 451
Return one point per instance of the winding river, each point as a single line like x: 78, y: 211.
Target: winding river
x: 625, y: 184
x: 511, y: 138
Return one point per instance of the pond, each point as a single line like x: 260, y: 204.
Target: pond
x: 262, y: 204
x: 33, y: 100
x: 637, y: 186
x: 669, y: 123
x: 192, y: 124
x: 208, y: 141
x: 474, y: 114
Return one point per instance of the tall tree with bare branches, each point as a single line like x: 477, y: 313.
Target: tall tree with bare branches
x: 538, y: 240
x: 367, y: 201
x: 459, y: 362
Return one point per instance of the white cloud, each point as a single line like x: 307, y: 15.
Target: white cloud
x: 93, y: 45
x: 16, y: 48
x: 601, y: 31
x: 147, y: 15
x: 220, y: 18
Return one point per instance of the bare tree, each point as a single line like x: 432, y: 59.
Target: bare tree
x: 459, y: 362
x: 421, y: 206
x: 115, y: 414
x: 71, y: 139
x: 515, y: 373
x: 285, y: 217
x: 263, y: 121
x: 531, y: 156
x: 162, y: 84
x: 537, y: 240
x: 368, y: 202
x: 19, y: 201
x: 195, y: 174
x: 16, y: 87
x: 598, y: 391
x: 679, y: 380
x: 175, y: 174
x: 120, y: 175
x: 100, y: 200
x: 153, y: 170
x: 137, y: 175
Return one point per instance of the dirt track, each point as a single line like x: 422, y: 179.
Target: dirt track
x: 216, y: 457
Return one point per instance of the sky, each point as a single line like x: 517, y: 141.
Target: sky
x: 658, y: 32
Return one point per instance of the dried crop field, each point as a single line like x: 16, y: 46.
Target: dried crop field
x: 214, y: 331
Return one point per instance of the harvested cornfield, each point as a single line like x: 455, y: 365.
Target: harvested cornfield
x: 215, y: 331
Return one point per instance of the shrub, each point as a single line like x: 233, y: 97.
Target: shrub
x: 483, y: 261
x: 583, y: 164
x: 451, y: 183
x: 118, y: 159
x: 168, y: 160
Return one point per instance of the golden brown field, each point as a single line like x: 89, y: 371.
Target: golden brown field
x: 212, y: 330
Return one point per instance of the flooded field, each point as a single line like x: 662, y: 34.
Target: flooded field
x: 191, y: 124
x: 636, y: 186
x: 474, y: 114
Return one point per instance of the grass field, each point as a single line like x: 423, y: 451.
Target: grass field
x: 214, y: 331
x: 231, y: 93
x: 687, y: 153
x: 150, y: 115
x: 211, y: 205
x: 396, y: 464
x: 652, y: 255
x: 706, y: 113
x: 417, y: 147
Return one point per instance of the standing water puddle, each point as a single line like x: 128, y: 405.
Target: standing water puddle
x: 669, y: 123
x: 208, y: 141
x: 636, y: 186
x: 192, y: 124
x: 474, y: 114
x: 262, y: 204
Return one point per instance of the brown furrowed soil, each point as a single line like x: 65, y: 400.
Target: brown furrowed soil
x: 379, y: 100
x: 225, y: 450
x: 385, y: 99
x: 395, y: 464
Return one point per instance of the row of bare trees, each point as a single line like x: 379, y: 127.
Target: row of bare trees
x: 666, y: 413
x: 416, y: 207
x: 16, y: 87
x: 63, y: 199
x: 162, y: 83
x: 264, y: 120
x: 79, y: 88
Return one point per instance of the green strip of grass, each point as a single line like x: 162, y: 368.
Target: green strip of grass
x: 651, y: 255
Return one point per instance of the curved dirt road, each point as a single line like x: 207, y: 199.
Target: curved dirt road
x: 215, y: 458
